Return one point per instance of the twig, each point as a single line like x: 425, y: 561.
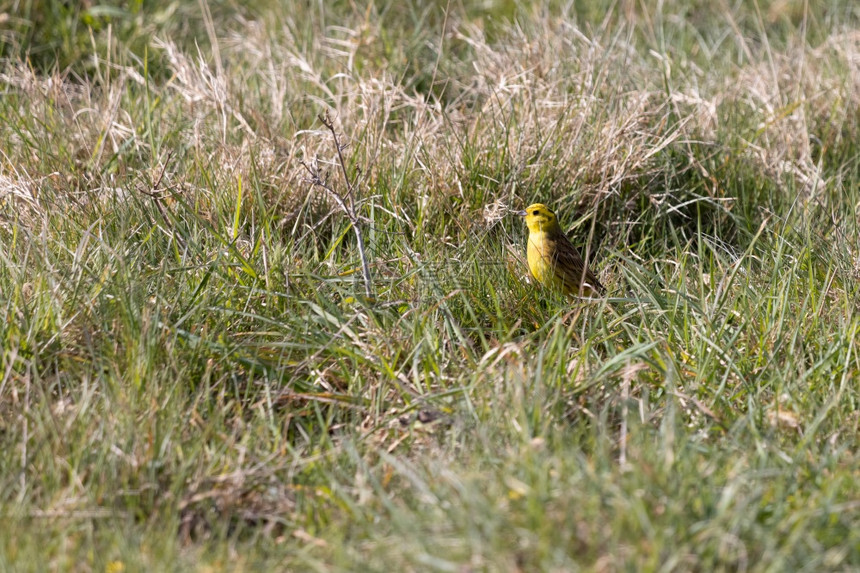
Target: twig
x: 157, y: 195
x: 345, y: 201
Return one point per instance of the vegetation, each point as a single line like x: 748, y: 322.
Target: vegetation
x: 195, y: 374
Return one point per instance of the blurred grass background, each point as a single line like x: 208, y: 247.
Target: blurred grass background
x: 191, y: 379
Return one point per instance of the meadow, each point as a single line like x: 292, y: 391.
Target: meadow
x: 234, y: 338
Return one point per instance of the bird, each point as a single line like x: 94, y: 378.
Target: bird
x: 553, y: 260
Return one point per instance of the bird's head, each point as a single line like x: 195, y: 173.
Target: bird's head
x: 540, y: 218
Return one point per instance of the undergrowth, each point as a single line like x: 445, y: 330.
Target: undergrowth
x: 194, y: 374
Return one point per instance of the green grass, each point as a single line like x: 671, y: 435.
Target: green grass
x: 191, y: 377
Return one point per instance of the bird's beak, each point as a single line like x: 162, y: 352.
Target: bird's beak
x: 519, y: 213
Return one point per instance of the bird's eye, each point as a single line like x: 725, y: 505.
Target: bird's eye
x: 535, y: 212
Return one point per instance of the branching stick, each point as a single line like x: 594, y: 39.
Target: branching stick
x: 346, y: 201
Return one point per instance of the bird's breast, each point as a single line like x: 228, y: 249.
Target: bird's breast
x: 539, y: 256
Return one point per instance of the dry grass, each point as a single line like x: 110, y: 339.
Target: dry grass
x: 188, y: 380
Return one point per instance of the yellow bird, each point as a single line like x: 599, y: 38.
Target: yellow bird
x: 553, y: 260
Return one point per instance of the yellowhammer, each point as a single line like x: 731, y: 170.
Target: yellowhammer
x: 553, y: 261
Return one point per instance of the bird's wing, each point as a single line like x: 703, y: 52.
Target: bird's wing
x: 568, y: 258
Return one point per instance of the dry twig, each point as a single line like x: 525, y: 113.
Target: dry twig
x: 346, y: 201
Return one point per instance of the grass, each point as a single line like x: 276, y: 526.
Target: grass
x: 193, y: 378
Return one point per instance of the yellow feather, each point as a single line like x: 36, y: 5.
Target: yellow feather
x: 553, y: 260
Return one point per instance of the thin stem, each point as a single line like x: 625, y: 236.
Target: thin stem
x: 345, y: 202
